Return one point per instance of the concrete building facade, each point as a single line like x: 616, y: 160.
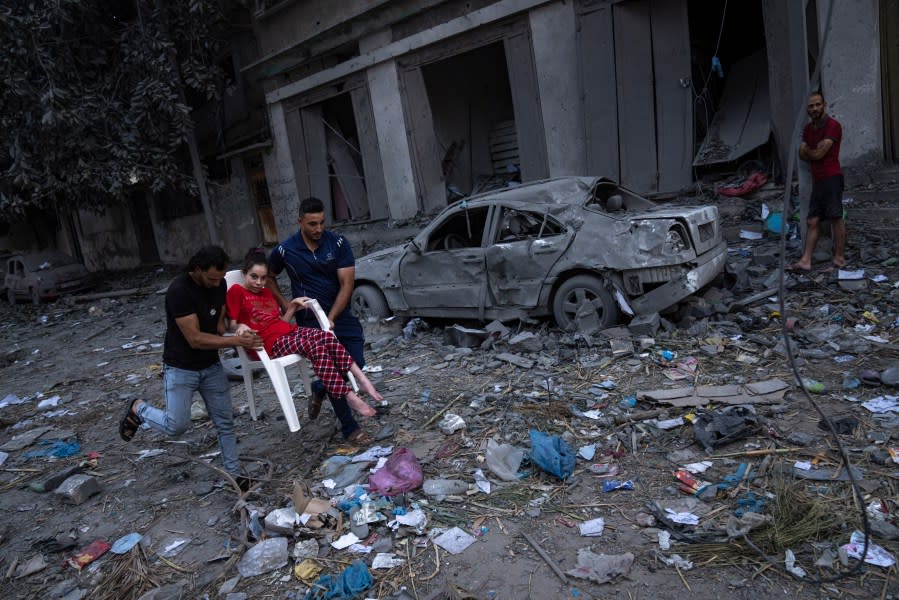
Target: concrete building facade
x: 391, y: 109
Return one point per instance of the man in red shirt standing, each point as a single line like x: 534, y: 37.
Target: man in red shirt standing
x: 821, y: 148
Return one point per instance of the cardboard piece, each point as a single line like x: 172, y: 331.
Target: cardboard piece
x: 770, y: 391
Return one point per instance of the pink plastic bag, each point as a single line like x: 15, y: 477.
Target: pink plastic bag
x: 401, y: 473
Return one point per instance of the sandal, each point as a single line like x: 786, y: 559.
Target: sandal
x: 130, y: 423
x: 360, y: 438
x: 315, y: 404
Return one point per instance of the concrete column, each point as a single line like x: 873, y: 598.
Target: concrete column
x: 850, y: 77
x: 785, y: 35
x: 281, y: 175
x: 555, y: 56
x: 390, y: 125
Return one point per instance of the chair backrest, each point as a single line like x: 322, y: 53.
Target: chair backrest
x: 232, y: 277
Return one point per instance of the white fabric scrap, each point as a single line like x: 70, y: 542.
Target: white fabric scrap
x: 882, y: 404
x: 684, y: 518
x: 664, y: 539
x: 843, y: 274
x: 699, y: 467
x: 454, y: 540
x: 481, y: 481
x: 875, y: 555
x: 593, y: 527
x: 676, y: 560
x: 804, y: 465
x: 345, y: 541
x: 792, y: 567
x: 386, y: 560
x: 587, y: 452
x: 373, y: 453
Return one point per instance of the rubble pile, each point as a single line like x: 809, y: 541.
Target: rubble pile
x: 676, y: 452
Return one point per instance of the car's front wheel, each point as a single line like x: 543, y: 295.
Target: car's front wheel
x: 368, y: 301
x: 575, y: 293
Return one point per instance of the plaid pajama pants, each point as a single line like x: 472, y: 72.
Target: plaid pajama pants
x: 329, y: 358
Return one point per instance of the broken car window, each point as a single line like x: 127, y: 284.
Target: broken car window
x: 453, y: 233
x: 518, y: 225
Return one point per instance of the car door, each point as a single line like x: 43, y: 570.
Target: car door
x: 443, y: 272
x: 525, y: 247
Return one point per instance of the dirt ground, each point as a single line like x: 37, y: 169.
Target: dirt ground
x: 97, y: 355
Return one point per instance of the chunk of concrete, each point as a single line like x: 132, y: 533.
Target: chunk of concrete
x: 645, y: 324
x: 526, y: 341
x: 78, y: 488
x: 463, y: 337
x: 52, y: 482
x: 515, y: 359
x: 497, y: 329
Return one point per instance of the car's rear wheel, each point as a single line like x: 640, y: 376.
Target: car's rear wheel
x: 574, y: 293
x: 368, y: 301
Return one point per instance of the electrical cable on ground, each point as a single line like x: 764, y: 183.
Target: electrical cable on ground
x: 791, y: 164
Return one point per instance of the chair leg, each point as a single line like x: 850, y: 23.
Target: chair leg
x: 282, y: 390
x: 307, y: 380
x: 251, y: 399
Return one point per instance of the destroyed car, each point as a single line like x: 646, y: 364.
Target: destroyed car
x: 44, y: 276
x: 581, y: 249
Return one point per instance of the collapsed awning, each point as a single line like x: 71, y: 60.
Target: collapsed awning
x: 743, y: 120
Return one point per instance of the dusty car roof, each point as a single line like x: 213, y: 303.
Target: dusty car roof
x: 561, y: 190
x: 36, y: 259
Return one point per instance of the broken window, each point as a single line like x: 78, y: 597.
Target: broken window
x: 518, y: 225
x: 462, y: 229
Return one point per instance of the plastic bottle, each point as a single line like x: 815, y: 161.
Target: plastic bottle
x: 628, y: 402
x: 444, y: 487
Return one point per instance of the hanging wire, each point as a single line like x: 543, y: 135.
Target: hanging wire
x: 791, y: 163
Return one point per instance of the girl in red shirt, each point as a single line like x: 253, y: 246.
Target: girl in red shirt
x: 254, y: 308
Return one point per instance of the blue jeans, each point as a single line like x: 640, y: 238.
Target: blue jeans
x: 349, y: 332
x: 180, y: 385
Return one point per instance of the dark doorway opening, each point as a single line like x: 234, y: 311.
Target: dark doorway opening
x: 346, y: 175
x: 730, y: 86
x: 474, y: 120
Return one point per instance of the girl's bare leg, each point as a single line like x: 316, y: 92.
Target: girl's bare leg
x: 365, y: 383
x: 359, y: 405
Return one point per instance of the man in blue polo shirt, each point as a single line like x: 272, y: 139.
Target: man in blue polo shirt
x: 321, y: 265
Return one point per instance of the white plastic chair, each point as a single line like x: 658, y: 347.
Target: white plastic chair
x: 275, y: 367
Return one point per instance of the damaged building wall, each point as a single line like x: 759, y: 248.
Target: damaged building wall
x: 179, y: 238
x: 288, y: 24
x: 597, y: 86
x: 280, y: 174
x: 390, y: 127
x: 850, y: 77
x: 555, y: 55
x: 235, y: 215
x: 108, y: 240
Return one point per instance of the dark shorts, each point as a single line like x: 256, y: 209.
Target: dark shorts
x: 827, y: 198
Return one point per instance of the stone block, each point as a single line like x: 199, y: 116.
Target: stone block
x: 78, y: 488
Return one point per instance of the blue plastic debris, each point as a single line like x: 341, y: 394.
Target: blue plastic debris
x: 57, y: 448
x: 552, y: 454
x: 354, y: 579
x: 612, y: 484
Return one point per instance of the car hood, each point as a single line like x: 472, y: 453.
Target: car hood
x: 61, y: 274
x: 378, y: 265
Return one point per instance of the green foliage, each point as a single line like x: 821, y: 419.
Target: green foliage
x: 92, y: 98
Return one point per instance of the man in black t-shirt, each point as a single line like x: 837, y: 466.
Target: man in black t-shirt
x: 195, y: 310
